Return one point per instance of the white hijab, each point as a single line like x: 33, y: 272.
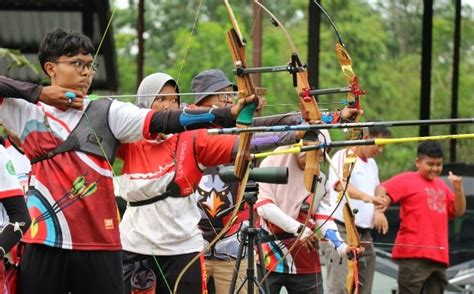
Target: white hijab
x: 152, y: 85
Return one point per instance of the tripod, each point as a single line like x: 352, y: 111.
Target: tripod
x: 251, y: 236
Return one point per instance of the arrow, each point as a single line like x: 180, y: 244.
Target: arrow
x: 285, y: 128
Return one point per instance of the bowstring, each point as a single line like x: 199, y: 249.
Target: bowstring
x: 258, y: 13
x: 188, y: 46
x: 120, y: 188
x: 174, y: 156
x: 183, y: 62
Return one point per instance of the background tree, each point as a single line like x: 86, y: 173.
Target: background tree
x: 383, y: 38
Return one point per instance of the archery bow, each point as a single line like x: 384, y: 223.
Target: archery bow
x: 244, y: 176
x: 236, y: 44
x: 310, y: 113
x: 345, y: 61
x: 99, y: 141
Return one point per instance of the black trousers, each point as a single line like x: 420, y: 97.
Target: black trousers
x: 296, y: 283
x: 45, y: 269
x: 167, y: 269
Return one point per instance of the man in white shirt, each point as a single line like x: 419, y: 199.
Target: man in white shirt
x: 363, y: 181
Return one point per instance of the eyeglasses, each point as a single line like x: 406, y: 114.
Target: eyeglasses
x: 81, y: 65
x: 226, y: 97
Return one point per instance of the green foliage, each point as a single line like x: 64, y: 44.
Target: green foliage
x: 17, y: 59
x: 383, y: 38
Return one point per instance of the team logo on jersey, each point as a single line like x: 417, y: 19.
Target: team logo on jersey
x: 214, y: 195
x: 10, y: 167
x: 109, y: 223
x: 94, y: 139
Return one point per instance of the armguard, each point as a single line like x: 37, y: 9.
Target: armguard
x: 187, y: 119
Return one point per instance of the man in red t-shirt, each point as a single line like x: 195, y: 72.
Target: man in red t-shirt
x: 426, y: 204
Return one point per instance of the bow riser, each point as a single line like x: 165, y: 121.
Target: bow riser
x: 311, y: 171
x: 310, y: 112
x: 246, y: 88
x: 309, y: 108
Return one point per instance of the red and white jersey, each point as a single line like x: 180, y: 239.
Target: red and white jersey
x: 169, y: 226
x: 72, y: 204
x: 21, y: 163
x: 9, y: 185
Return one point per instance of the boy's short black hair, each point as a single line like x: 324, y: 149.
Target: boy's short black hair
x: 379, y: 131
x: 430, y: 148
x: 59, y: 42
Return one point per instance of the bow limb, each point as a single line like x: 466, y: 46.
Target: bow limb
x: 353, y: 239
x: 352, y: 236
x: 236, y: 44
x: 345, y: 62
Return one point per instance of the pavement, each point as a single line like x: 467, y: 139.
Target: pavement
x: 382, y: 283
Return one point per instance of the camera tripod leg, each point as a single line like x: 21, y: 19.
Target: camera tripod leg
x: 235, y: 273
x: 251, y: 238
x: 261, y: 260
